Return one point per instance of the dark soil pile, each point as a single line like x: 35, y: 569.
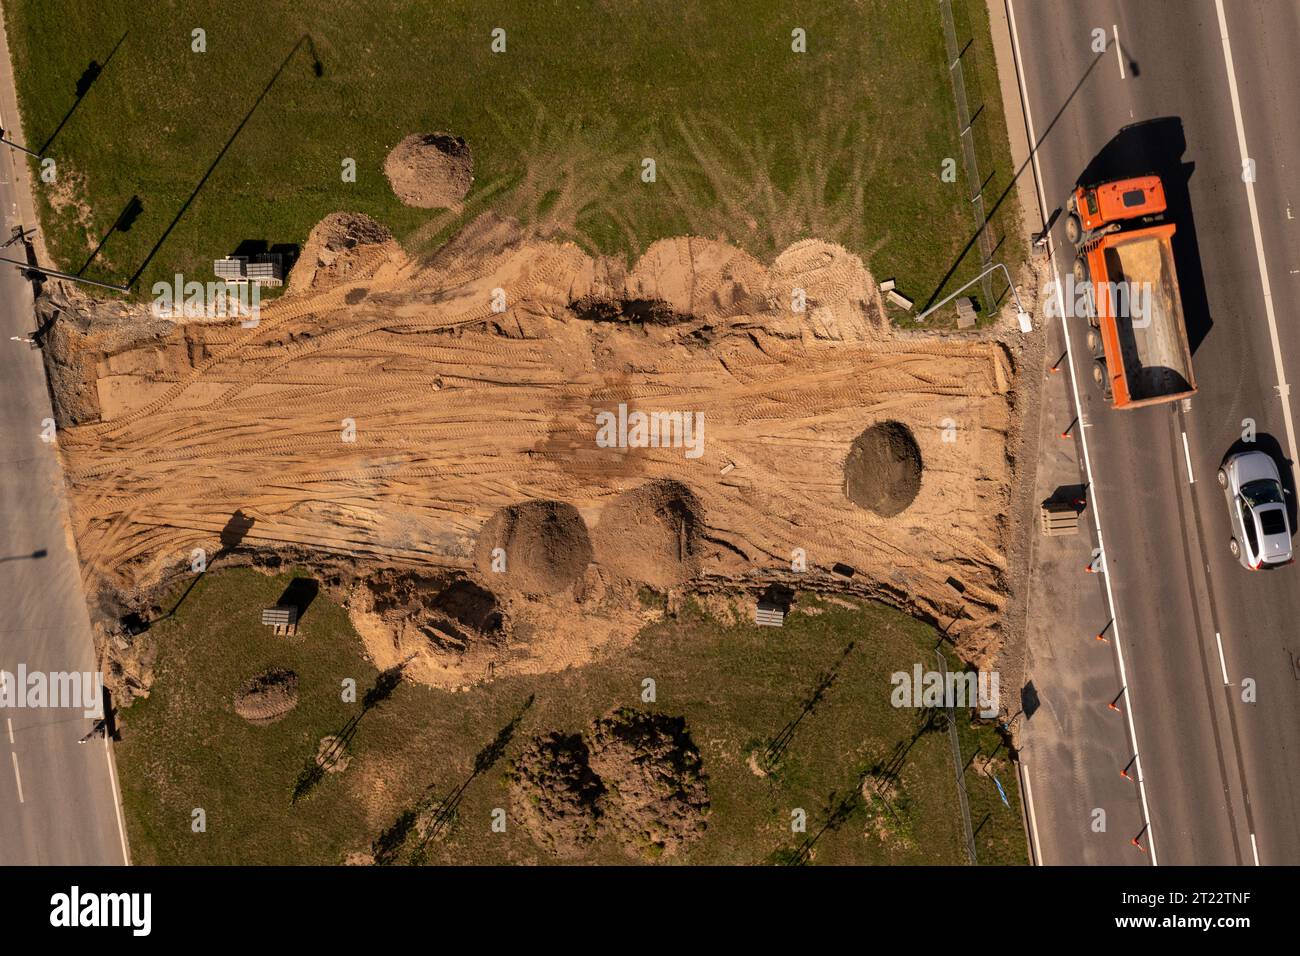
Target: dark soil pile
x: 883, y: 470
x: 545, y: 543
x: 652, y: 768
x: 557, y: 796
x: 635, y: 776
x: 430, y: 170
x: 333, y: 248
x: 268, y: 697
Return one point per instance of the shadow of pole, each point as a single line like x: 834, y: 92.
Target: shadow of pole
x: 317, y: 765
x: 1033, y: 150
x: 84, y: 85
x: 30, y: 556
x: 777, y: 745
x: 125, y: 219
x: 317, y: 70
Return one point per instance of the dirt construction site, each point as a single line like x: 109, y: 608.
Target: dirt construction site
x: 425, y: 433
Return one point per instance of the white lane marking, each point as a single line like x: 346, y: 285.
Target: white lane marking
x: 1191, y: 480
x: 17, y: 776
x: 1083, y: 443
x: 117, y: 802
x: 1033, y: 818
x: 9, y: 721
x: 1254, y: 849
x: 1222, y: 663
x: 1283, y: 388
x: 1114, y: 28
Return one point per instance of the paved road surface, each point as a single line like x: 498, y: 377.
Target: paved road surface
x: 1222, y: 777
x: 67, y: 810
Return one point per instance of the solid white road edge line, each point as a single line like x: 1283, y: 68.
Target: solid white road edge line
x: 117, y: 801
x: 1083, y: 443
x: 18, y: 777
x: 1033, y: 818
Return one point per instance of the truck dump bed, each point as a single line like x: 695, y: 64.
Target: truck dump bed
x: 1147, y: 334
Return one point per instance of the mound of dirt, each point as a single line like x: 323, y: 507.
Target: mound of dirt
x: 883, y: 470
x: 335, y: 247
x: 430, y: 170
x: 659, y: 800
x: 634, y: 775
x: 268, y: 697
x: 544, y: 545
x: 840, y: 295
x: 556, y: 794
x: 675, y: 281
x: 651, y: 534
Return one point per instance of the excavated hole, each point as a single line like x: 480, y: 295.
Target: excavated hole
x: 883, y: 470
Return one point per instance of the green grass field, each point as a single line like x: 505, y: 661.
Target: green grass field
x: 737, y: 686
x: 752, y: 142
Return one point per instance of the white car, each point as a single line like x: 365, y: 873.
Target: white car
x: 1257, y: 510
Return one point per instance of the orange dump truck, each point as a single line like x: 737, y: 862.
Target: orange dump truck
x: 1126, y: 283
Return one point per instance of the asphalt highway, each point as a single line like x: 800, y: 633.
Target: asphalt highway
x: 1220, y: 776
x: 58, y: 798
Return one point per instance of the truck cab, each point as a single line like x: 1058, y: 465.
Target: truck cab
x: 1097, y: 207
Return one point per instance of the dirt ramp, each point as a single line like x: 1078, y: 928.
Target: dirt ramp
x: 337, y: 249
x: 543, y: 547
x: 268, y: 697
x: 430, y: 170
x: 651, y: 534
x: 883, y: 470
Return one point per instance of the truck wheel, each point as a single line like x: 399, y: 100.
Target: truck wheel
x: 1234, y: 548
x: 1099, y: 372
x: 1073, y: 229
x: 1080, y: 270
x: 1223, y: 478
x: 1093, y: 338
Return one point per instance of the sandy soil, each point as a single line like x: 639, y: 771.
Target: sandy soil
x: 430, y: 170
x: 385, y: 412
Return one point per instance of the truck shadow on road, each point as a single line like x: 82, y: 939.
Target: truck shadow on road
x: 1156, y: 147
